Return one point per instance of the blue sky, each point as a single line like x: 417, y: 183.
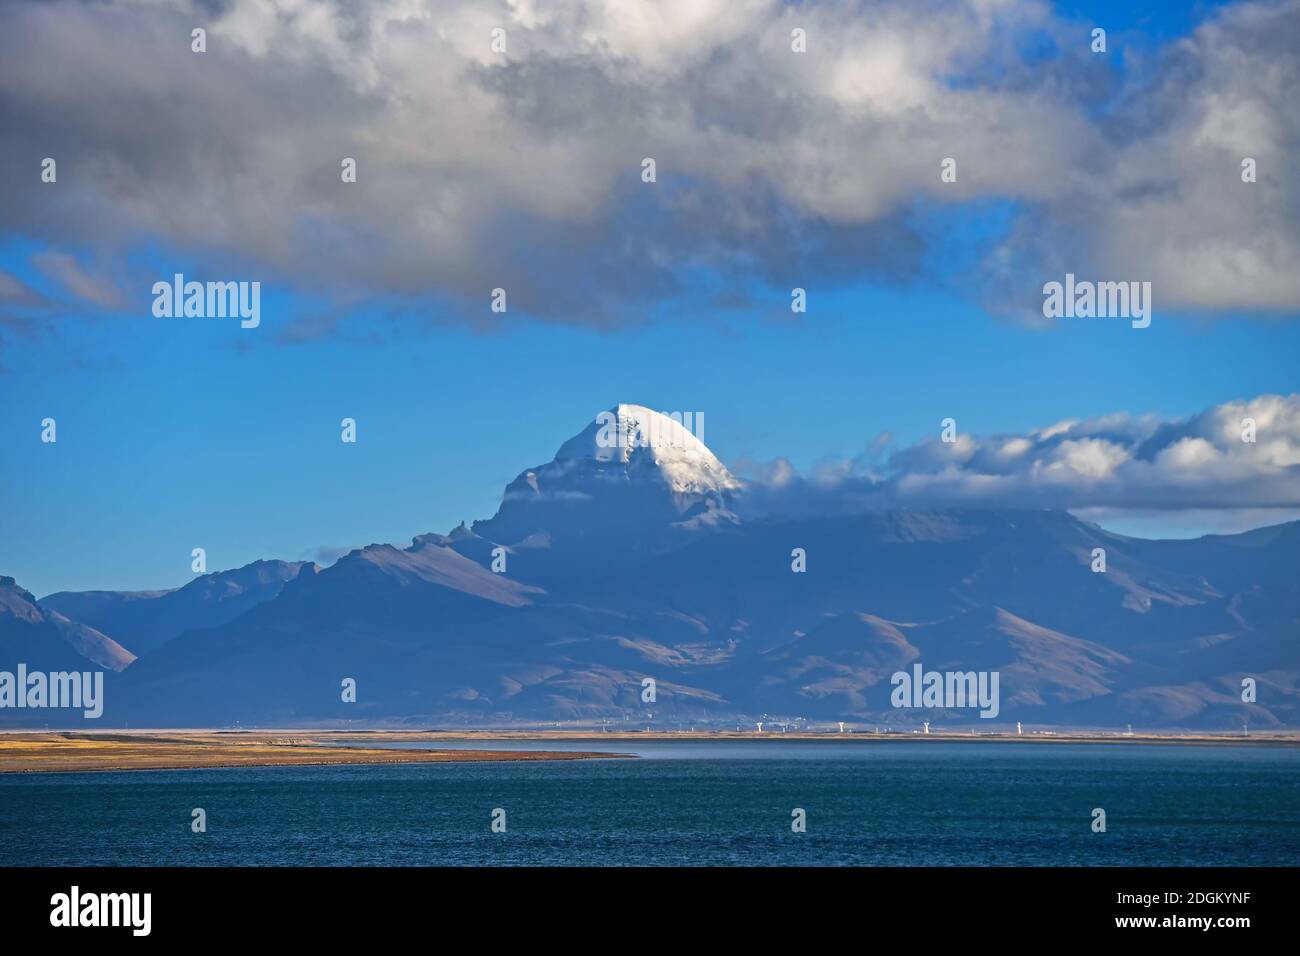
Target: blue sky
x: 182, y: 433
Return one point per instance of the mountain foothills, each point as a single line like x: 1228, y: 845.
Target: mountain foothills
x: 622, y: 561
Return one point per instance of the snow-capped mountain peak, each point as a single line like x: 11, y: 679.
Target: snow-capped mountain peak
x: 630, y: 468
x: 641, y: 440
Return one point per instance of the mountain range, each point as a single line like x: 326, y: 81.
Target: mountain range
x: 630, y: 556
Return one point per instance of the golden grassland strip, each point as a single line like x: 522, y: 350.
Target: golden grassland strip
x: 55, y: 752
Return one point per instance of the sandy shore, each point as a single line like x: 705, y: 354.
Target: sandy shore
x: 181, y: 750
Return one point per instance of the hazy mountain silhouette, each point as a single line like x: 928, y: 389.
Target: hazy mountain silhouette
x: 46, y: 641
x: 143, y: 620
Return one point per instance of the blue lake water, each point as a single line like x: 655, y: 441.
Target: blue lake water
x: 688, y: 803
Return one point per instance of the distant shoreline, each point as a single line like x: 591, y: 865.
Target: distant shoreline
x: 1276, y: 738
x: 76, y: 751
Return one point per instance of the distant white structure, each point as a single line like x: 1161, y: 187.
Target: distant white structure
x: 927, y: 727
x: 1129, y: 732
x: 1019, y: 732
x: 841, y: 726
x: 760, y: 726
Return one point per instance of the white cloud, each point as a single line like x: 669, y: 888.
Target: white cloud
x: 479, y: 170
x: 1091, y: 458
x: 1189, y: 453
x: 1118, y: 464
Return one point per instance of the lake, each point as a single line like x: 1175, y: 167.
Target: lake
x: 687, y: 803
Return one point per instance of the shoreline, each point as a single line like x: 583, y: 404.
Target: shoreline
x: 75, y: 752
x: 587, y: 736
x: 24, y: 751
x: 308, y: 735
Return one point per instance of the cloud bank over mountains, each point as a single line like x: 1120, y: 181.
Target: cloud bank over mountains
x: 1119, y: 463
x: 479, y: 169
